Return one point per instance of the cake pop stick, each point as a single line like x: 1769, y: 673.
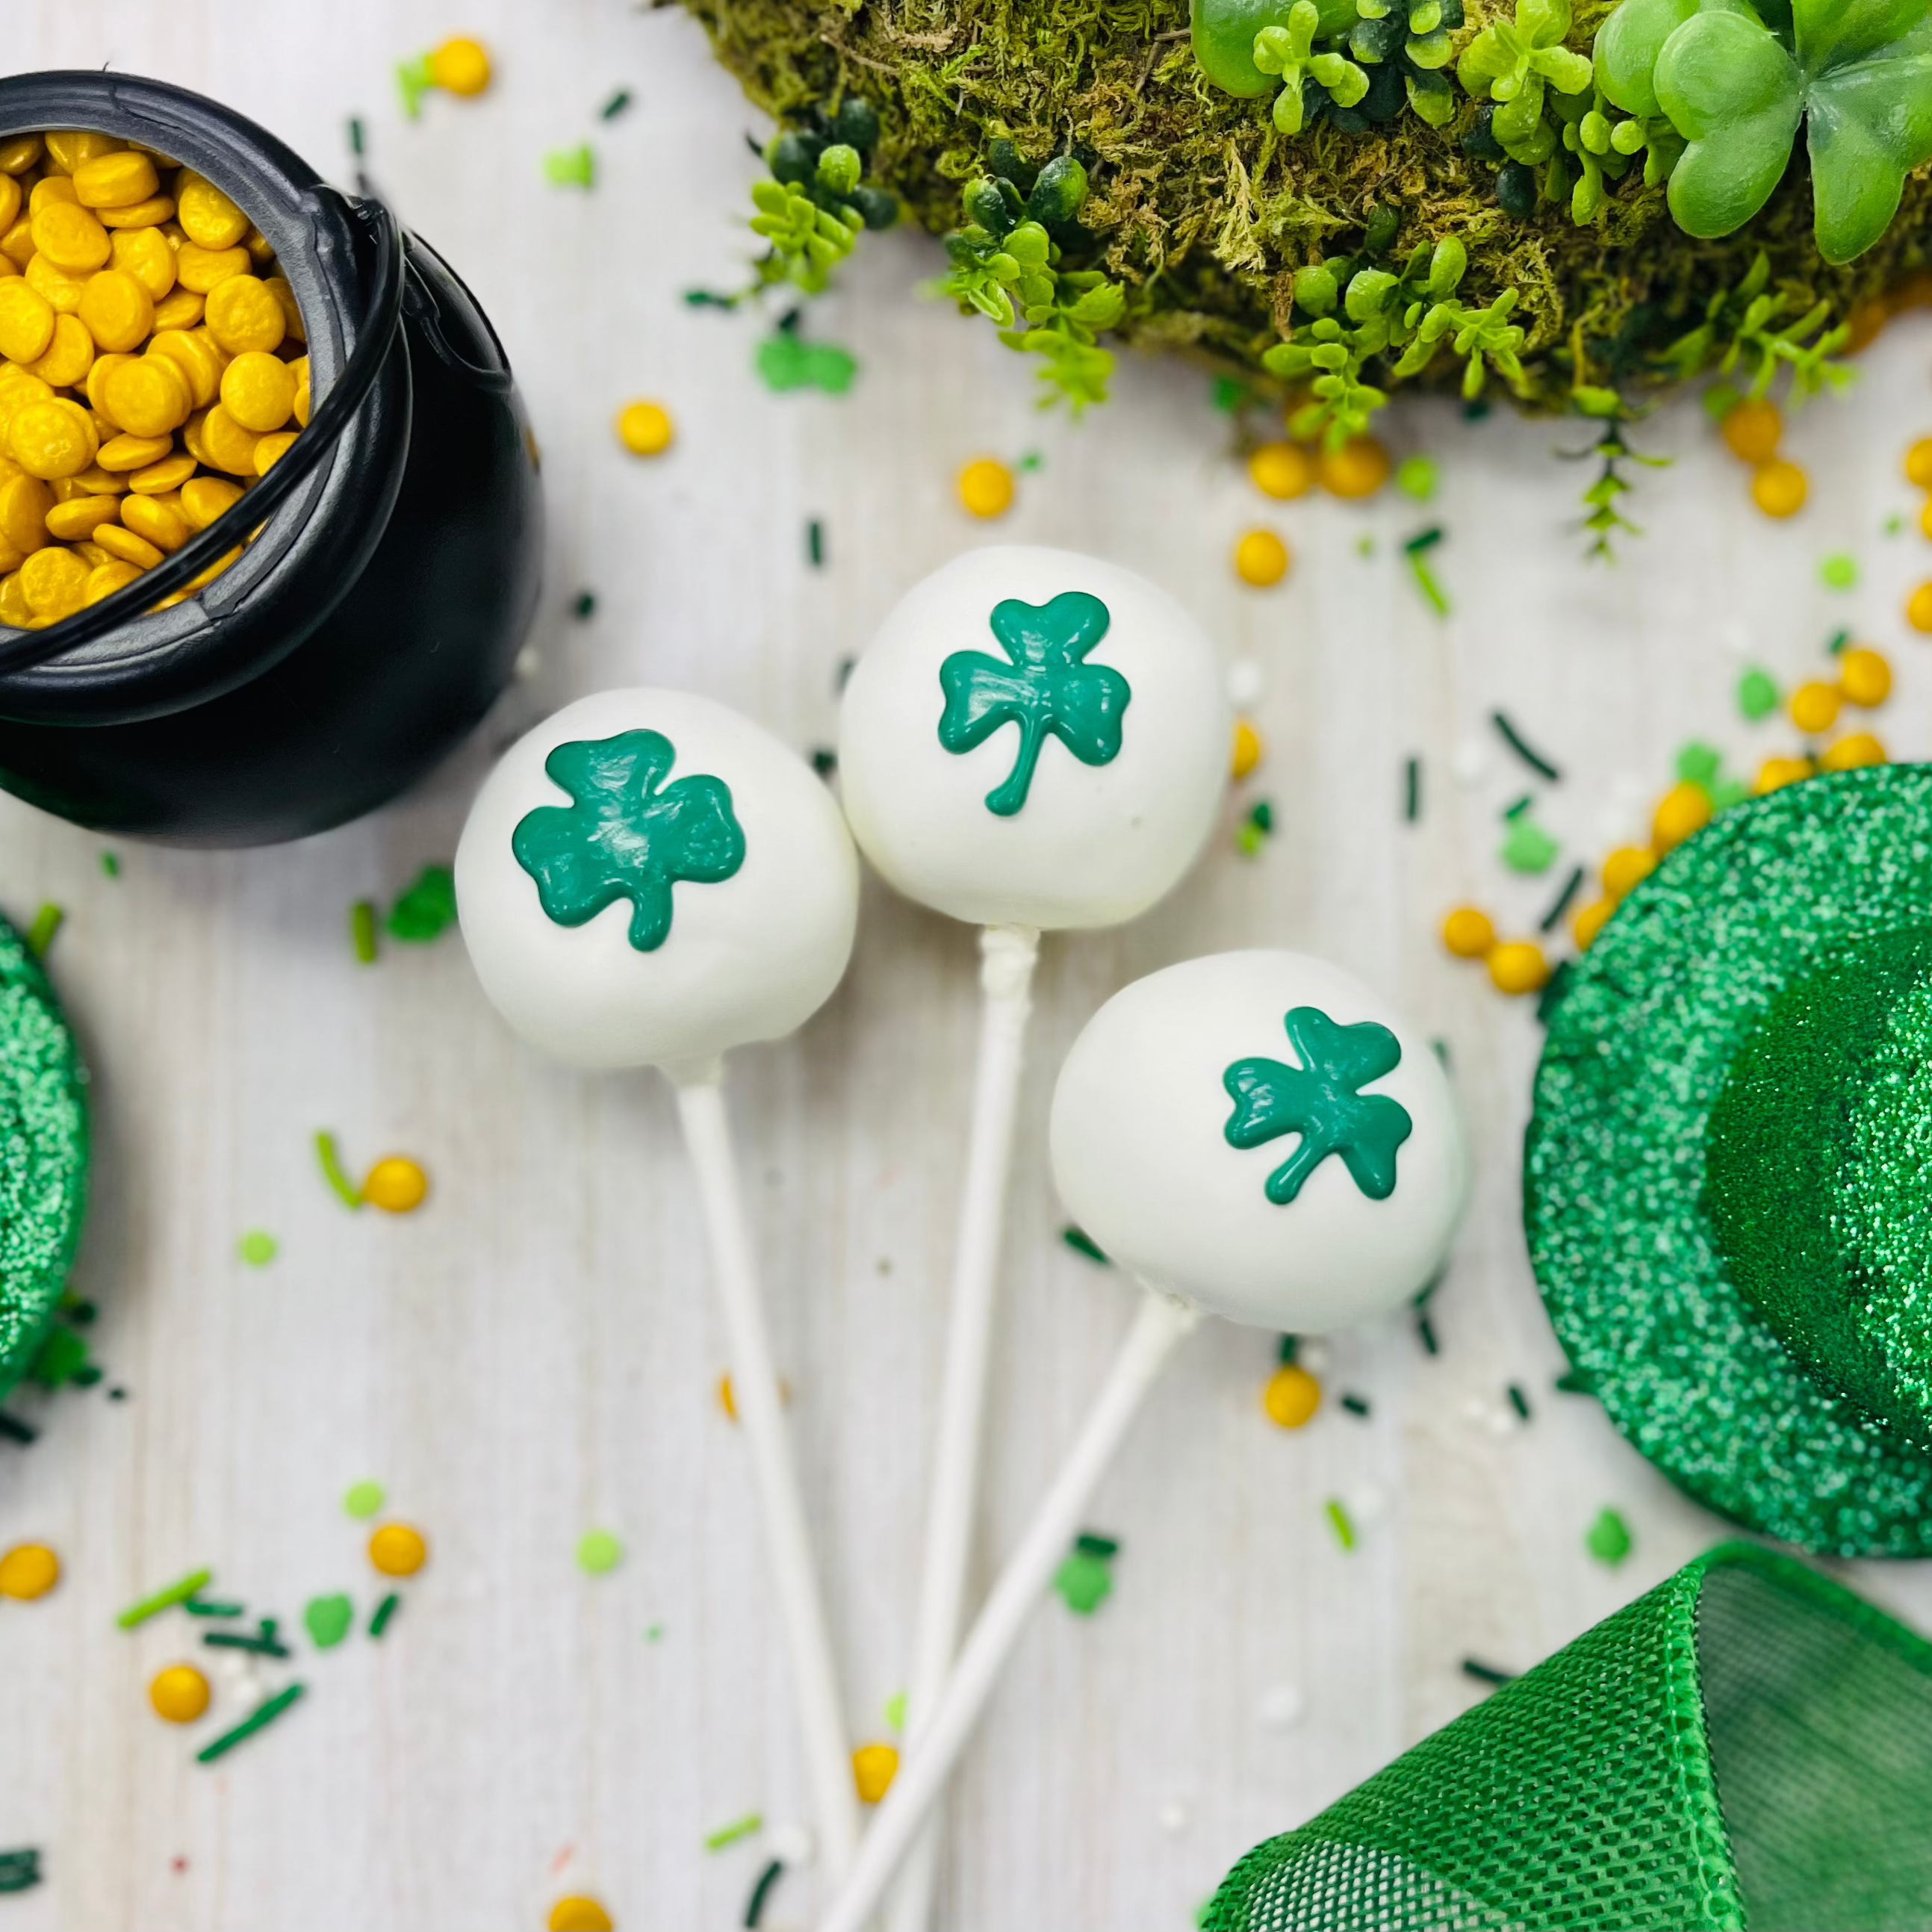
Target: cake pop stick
x: 1083, y: 814
x: 649, y: 879
x: 1193, y: 1126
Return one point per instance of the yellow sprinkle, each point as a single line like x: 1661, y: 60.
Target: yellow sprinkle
x: 397, y: 1185
x: 28, y: 1571
x: 580, y: 1914
x: 874, y: 1768
x: 1814, y: 707
x: 1780, y: 488
x: 1625, y: 869
x: 1776, y: 773
x: 1283, y: 470
x: 1468, y: 934
x: 1864, y: 677
x: 1357, y: 468
x: 1683, y: 809
x: 646, y: 429
x: 728, y: 1401
x: 986, y: 487
x: 460, y: 66
x: 1918, y: 463
x: 1848, y: 754
x: 1291, y: 1397
x: 1260, y: 558
x: 179, y: 1693
x: 1918, y: 608
x: 1247, y: 748
x: 1519, y: 967
x: 1590, y: 920
x: 398, y: 1550
x: 1753, y: 429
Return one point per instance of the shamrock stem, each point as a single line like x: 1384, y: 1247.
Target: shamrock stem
x: 1006, y: 799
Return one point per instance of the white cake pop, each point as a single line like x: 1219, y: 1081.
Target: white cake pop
x: 649, y: 878
x: 1259, y: 1135
x: 1253, y: 1135
x: 1034, y: 738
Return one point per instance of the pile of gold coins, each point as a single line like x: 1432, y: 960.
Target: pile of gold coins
x: 155, y: 367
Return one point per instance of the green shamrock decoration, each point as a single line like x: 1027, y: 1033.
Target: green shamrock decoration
x: 1047, y: 689
x: 1737, y: 86
x: 1513, y: 62
x: 1319, y: 1100
x: 628, y: 835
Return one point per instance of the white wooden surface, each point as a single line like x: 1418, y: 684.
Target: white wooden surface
x: 534, y: 1355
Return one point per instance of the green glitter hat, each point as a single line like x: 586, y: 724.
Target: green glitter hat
x: 1726, y: 1188
x: 43, y: 1155
x: 1750, y: 1744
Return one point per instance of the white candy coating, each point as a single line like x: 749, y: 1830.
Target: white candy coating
x: 749, y: 958
x: 1142, y: 1157
x: 1093, y: 844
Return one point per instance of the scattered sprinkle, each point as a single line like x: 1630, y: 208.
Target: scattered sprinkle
x: 1608, y: 1539
x: 654, y: 1632
x: 12, y: 1430
x: 1839, y: 572
x: 754, y: 1907
x: 1411, y: 798
x: 329, y: 1620
x: 379, y: 1621
x: 264, y: 1643
x: 598, y: 1553
x: 398, y: 1550
x: 1261, y: 559
x: 1356, y: 1405
x: 1338, y: 1521
x: 1519, y: 1401
x: 1416, y: 550
x: 396, y: 1184
x: 615, y: 105
x: 257, y: 1247
x: 1291, y: 1396
x: 1083, y: 1244
x: 579, y: 1913
x: 1085, y: 1580
x: 1559, y: 906
x: 785, y: 362
x: 203, y: 1607
x: 824, y: 761
x: 164, y: 1599
x: 815, y: 544
x: 63, y: 1357
x: 894, y: 1711
x: 645, y: 428
x: 179, y: 1693
x: 1365, y: 546
x: 355, y: 136
x: 1425, y: 1330
x: 364, y: 1498
x: 1030, y: 462
x: 344, y: 1189
x: 47, y: 923
x: 572, y: 167
x: 1287, y: 1351
x: 362, y: 931
x: 1513, y: 739
x: 20, y: 1871
x: 262, y: 1716
x: 110, y: 864
x: 585, y: 605
x: 746, y: 1827
x: 986, y: 487
x: 1575, y: 1382
x: 1837, y: 641
x: 28, y: 1572
x: 1527, y: 848
x: 874, y: 1768
x: 1419, y: 477
x: 1486, y: 1673
x: 428, y: 910
x: 1227, y: 394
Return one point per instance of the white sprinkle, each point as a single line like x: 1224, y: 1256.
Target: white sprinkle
x: 1369, y: 1504
x: 1246, y: 682
x: 1175, y: 1817
x: 791, y: 1844
x: 1313, y: 1356
x: 1471, y: 761
x: 1281, y: 1706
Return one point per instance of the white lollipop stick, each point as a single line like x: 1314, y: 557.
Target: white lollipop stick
x: 1034, y: 740
x: 1159, y: 1327
x: 1193, y: 1126
x: 1007, y: 954
x: 754, y: 1391
x: 648, y: 879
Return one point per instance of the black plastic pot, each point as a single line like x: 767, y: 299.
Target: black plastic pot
x: 379, y: 612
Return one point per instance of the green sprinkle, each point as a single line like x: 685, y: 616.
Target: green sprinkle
x: 428, y: 910
x: 1514, y: 740
x: 1757, y: 694
x: 1249, y: 839
x: 264, y: 1643
x: 345, y: 1190
x: 1338, y: 1521
x: 754, y: 1907
x: 1083, y: 1244
x: 1423, y: 540
x: 572, y: 167
x: 585, y: 605
x: 163, y: 1599
x: 1894, y: 525
x: 654, y: 1632
x: 1528, y: 848
x: 739, y: 1828
x: 1519, y: 1401
x: 1839, y: 572
x: 1837, y: 641
x: 1699, y: 763
x: 1608, y: 1539
x: 1411, y: 803
x: 1521, y: 805
x: 1084, y: 1581
x: 598, y: 1553
x: 1287, y: 1351
x: 385, y: 1610
x: 1365, y: 546
x: 1433, y: 594
x: 1089, y: 1543
x: 1486, y: 1673
x: 363, y: 1499
x: 1227, y: 394
x: 1559, y: 906
x: 1425, y: 1330
x: 896, y: 1711
x: 20, y: 1871
x: 329, y: 1619
x: 355, y: 136
x: 824, y: 761
x: 262, y: 1716
x: 1575, y: 1382
x: 413, y: 82
x: 258, y: 1248
x: 1262, y: 815
x: 785, y: 362
x: 63, y: 1358
x: 615, y: 105
x: 1419, y: 477
x: 362, y: 931
x: 110, y: 864
x: 201, y: 1607
x: 40, y: 933
x: 1030, y: 462
x: 1356, y: 1405
x: 815, y: 544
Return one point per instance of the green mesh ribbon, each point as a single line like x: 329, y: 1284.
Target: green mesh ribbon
x: 1749, y: 1745
x: 43, y: 1155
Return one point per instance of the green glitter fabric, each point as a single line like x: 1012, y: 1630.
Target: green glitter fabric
x: 1748, y: 1744
x: 1639, y: 1052
x: 44, y: 1148
x: 1834, y: 1087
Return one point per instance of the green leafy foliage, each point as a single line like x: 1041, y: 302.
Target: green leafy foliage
x: 428, y: 910
x: 1603, y: 501
x: 1008, y: 263
x: 1289, y: 51
x: 1515, y: 63
x: 817, y: 204
x: 1741, y: 334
